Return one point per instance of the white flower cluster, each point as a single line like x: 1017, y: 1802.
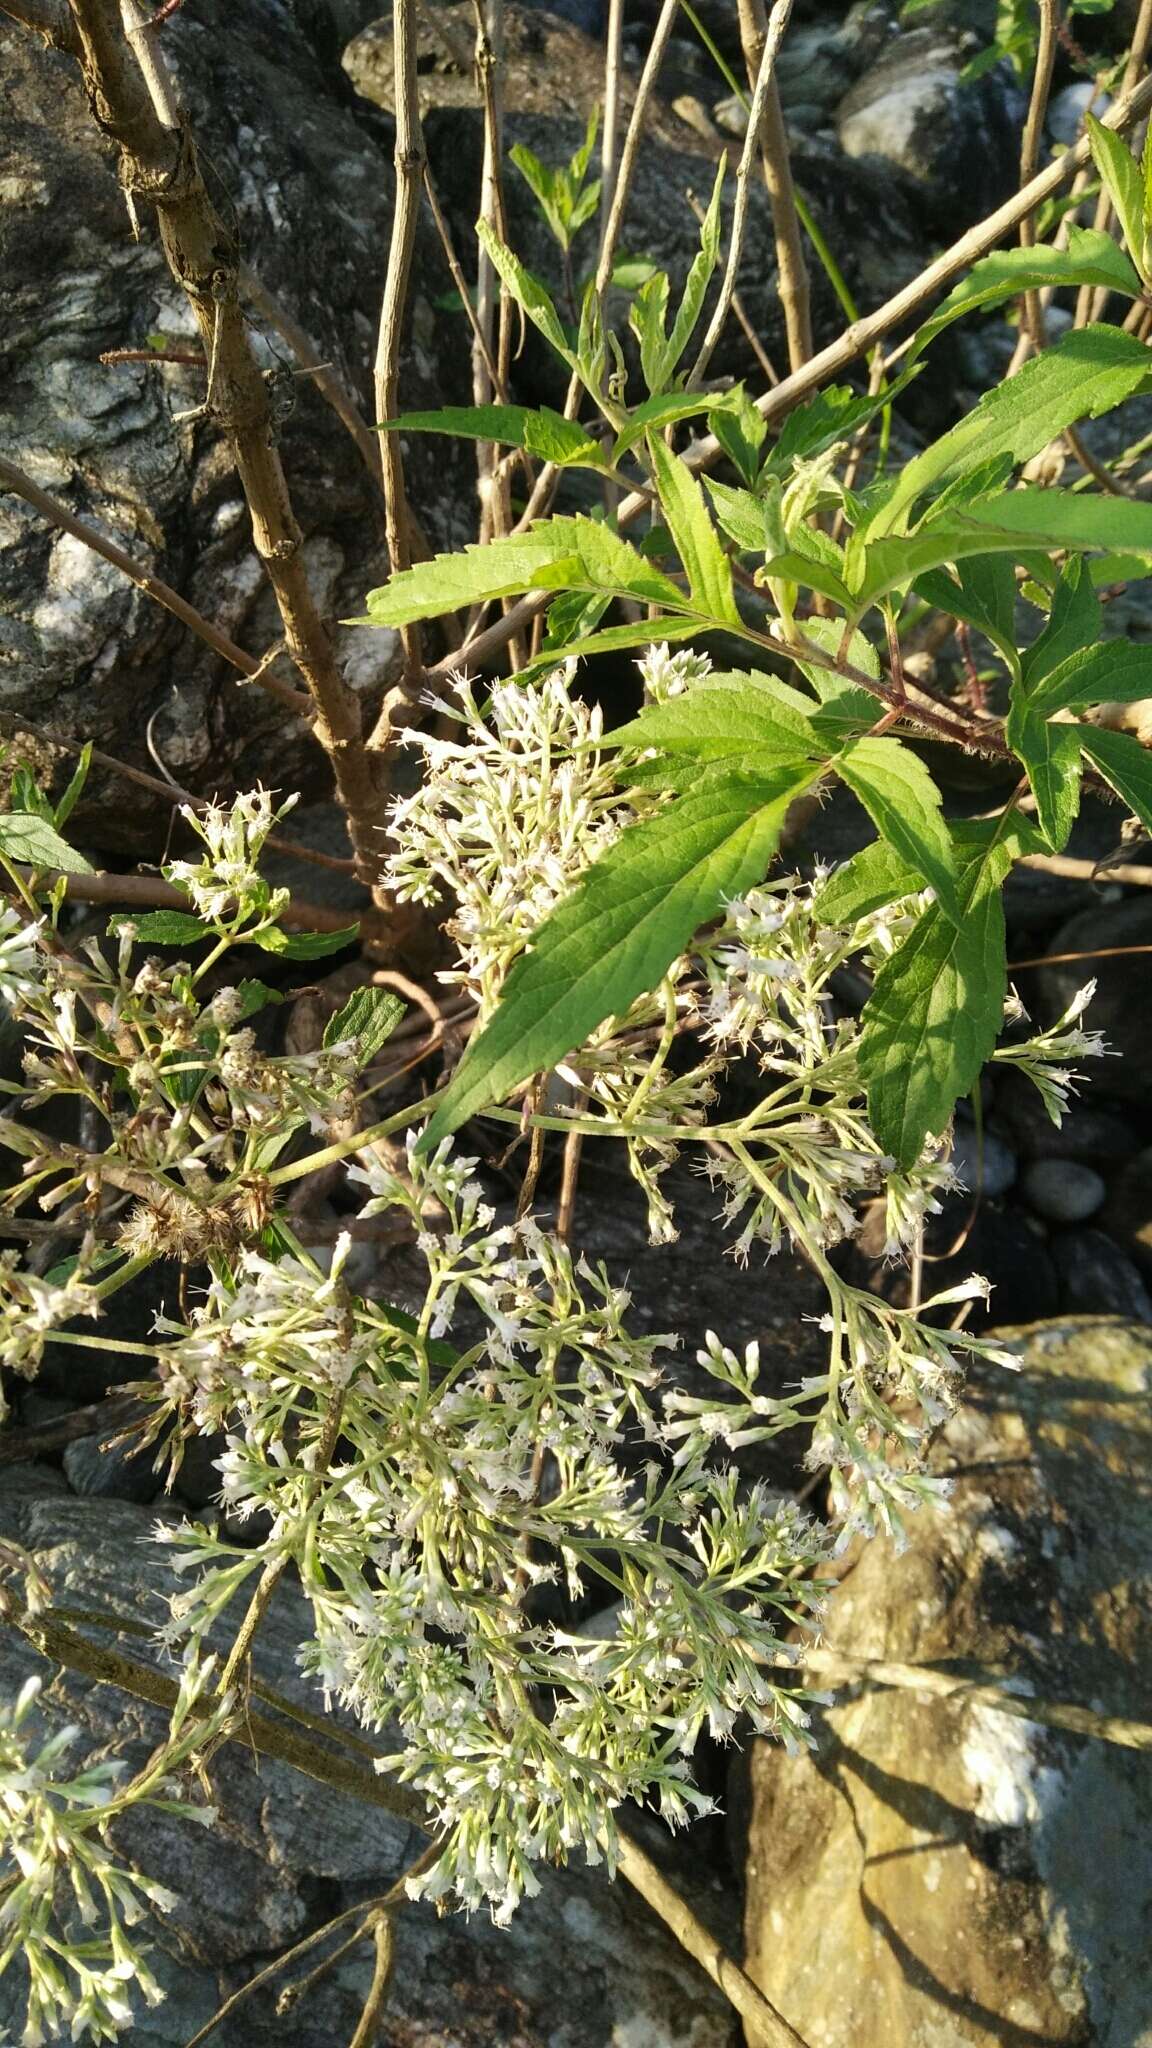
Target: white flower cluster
x: 31, y: 1308
x: 665, y: 674
x: 465, y: 1484
x: 69, y: 1904
x: 508, y: 816
x: 225, y: 883
x: 1049, y: 1057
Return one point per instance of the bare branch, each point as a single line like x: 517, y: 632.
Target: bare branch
x: 409, y: 160
x: 791, y: 266
x: 47, y: 18
x: 1030, y: 148
x: 149, y: 892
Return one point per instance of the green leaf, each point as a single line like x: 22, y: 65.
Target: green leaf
x: 541, y: 431
x: 1074, y: 621
x: 743, y: 516
x: 1124, y: 763
x: 682, y: 502
x: 165, y: 928
x: 528, y: 292
x: 663, y: 411
x: 26, y: 836
x: 557, y: 554
x: 75, y: 789
x: 1051, y: 754
x: 1067, y: 519
x: 255, y: 996
x: 610, y: 640
x: 740, y: 430
x: 572, y: 617
x: 872, y: 878
x: 302, y: 945
x: 26, y: 795
x: 982, y: 592
x: 629, y: 916
x: 647, y: 317
x: 1088, y: 371
x: 1116, y: 672
x: 368, y: 1018
x: 846, y: 708
x: 832, y: 415
x: 727, y: 716
x: 903, y: 803
x: 937, y: 1005
x: 1091, y: 258
x: 1123, y: 183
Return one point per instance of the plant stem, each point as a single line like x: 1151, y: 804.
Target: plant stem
x: 1030, y: 148
x: 791, y: 266
x: 409, y: 160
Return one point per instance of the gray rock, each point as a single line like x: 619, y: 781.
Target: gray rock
x: 911, y: 109
x: 1066, y: 110
x: 116, y: 1471
x: 287, y: 1854
x: 1062, y: 1191
x: 983, y: 1161
x: 1088, y: 1132
x: 81, y: 649
x: 1128, y: 1214
x: 938, y: 1872
x: 1097, y: 1278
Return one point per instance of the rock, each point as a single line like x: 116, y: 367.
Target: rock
x: 1003, y: 1244
x: 1062, y: 1191
x: 1118, y: 1008
x: 81, y: 649
x: 1128, y: 1214
x: 1097, y: 1278
x: 1066, y: 111
x: 287, y: 1854
x: 911, y: 109
x: 1087, y: 1132
x: 983, y: 1161
x: 937, y: 1872
x: 818, y: 63
x: 116, y: 1471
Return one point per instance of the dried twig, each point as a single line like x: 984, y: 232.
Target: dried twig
x: 328, y: 383
x: 1091, y: 299
x: 791, y: 265
x: 985, y: 1689
x: 1030, y: 148
x: 13, y: 479
x: 149, y: 892
x: 754, y: 141
x: 409, y: 160
x: 613, y: 47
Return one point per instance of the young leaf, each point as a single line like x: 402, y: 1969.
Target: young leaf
x: 1091, y: 258
x: 1088, y: 371
x: 302, y: 945
x: 541, y: 431
x: 528, y: 292
x: 832, y: 415
x: 937, y: 1005
x: 26, y: 836
x: 903, y: 803
x: 740, y: 430
x: 1074, y: 622
x: 164, y: 928
x: 571, y: 617
x: 699, y: 276
x: 664, y: 411
x: 982, y: 592
x: 368, y: 1018
x: 1051, y: 754
x: 626, y: 920
x: 1123, y: 183
x: 682, y: 502
x: 75, y: 789
x: 1124, y: 763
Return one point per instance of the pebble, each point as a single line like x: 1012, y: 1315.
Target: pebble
x: 111, y: 1471
x: 990, y: 1166
x: 1062, y: 1191
x: 1098, y: 1279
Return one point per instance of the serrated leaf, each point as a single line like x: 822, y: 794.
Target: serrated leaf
x: 541, y: 431
x: 1091, y: 258
x: 368, y: 1018
x: 832, y: 415
x: 1067, y: 519
x: 729, y: 715
x: 937, y: 1006
x: 872, y: 878
x: 662, y: 411
x: 1124, y: 763
x: 557, y: 554
x: 1074, y: 621
x: 25, y: 836
x: 571, y: 617
x: 1118, y: 672
x: 743, y: 516
x: 982, y: 592
x: 26, y: 795
x: 706, y: 566
x: 629, y: 916
x: 1087, y: 372
x: 255, y: 996
x: 903, y: 803
x: 302, y: 945
x: 1051, y: 754
x: 1122, y: 181
x: 610, y: 640
x: 740, y: 430
x: 530, y: 295
x: 164, y: 928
